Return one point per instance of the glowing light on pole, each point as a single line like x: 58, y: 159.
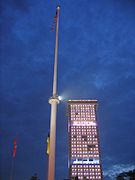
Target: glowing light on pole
x: 54, y: 100
x: 60, y: 98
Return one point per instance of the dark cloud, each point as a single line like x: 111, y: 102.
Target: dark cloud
x: 21, y: 5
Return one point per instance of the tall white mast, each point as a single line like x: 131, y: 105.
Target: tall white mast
x: 53, y: 101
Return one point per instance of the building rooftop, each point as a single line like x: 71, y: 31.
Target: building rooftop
x: 82, y: 101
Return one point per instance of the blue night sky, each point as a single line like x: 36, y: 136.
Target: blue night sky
x: 96, y: 61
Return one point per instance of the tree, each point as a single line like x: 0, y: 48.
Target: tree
x: 124, y: 175
x: 34, y: 177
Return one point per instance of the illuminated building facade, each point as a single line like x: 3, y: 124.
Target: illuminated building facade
x: 84, y: 154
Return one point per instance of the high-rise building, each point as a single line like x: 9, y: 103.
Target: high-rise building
x: 84, y: 152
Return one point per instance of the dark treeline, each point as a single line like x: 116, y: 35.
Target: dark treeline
x: 130, y: 175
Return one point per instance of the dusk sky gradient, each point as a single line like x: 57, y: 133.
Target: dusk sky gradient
x: 96, y: 61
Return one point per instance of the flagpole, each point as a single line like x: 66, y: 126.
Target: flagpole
x: 13, y: 159
x: 12, y: 169
x: 53, y: 101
